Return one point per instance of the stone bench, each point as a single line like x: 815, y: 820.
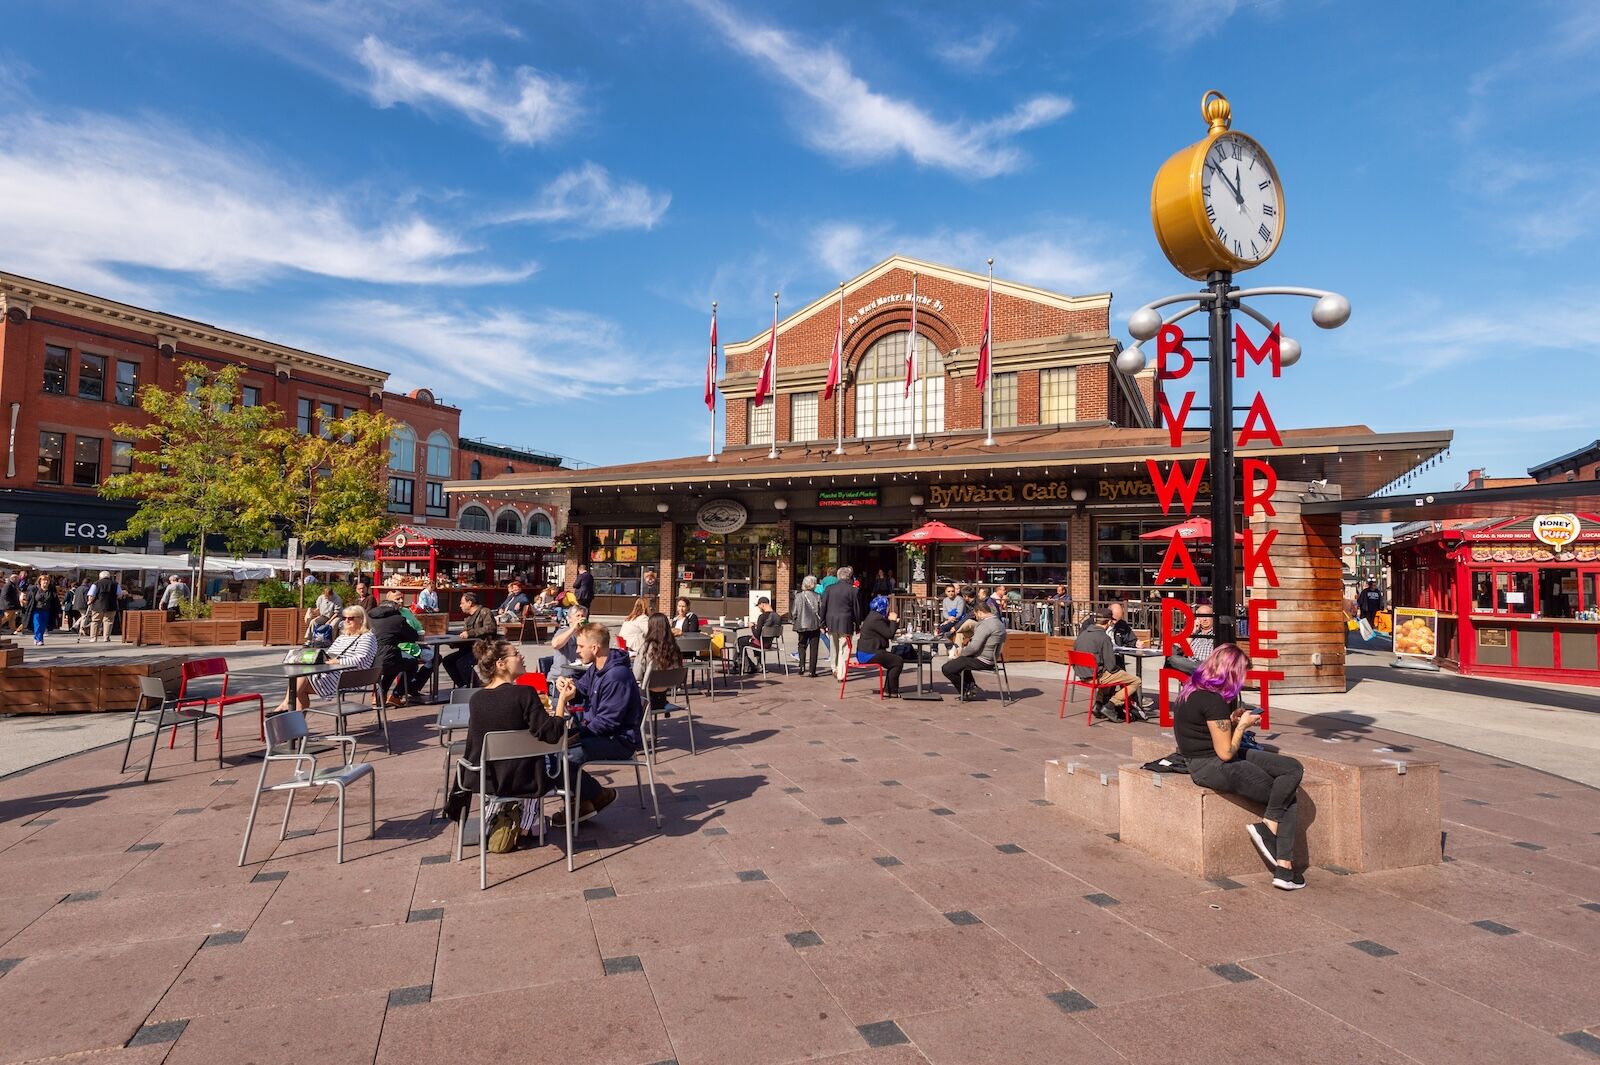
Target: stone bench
x: 1083, y: 785
x: 1358, y: 811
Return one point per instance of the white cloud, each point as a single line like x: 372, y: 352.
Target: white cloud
x: 529, y: 358
x: 588, y: 198
x: 974, y: 51
x: 1063, y: 256
x: 846, y: 118
x: 85, y: 198
x: 526, y: 107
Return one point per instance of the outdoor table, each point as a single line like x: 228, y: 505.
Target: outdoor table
x: 919, y: 641
x: 291, y: 672
x: 438, y: 643
x: 1139, y: 654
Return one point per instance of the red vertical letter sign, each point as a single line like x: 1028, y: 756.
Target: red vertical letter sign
x: 1259, y: 501
x: 1166, y: 679
x: 1262, y: 677
x: 1260, y: 632
x: 1269, y: 432
x: 1175, y: 483
x: 1256, y: 557
x: 1268, y: 349
x: 1174, y: 425
x: 1170, y: 342
x: 1172, y: 637
x: 1177, y: 563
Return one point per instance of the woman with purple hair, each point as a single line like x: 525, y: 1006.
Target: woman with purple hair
x: 1209, y: 726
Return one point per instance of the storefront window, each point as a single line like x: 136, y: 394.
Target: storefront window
x: 1558, y: 592
x: 712, y: 566
x: 1126, y: 566
x: 618, y: 558
x: 1030, y: 557
x: 1513, y: 591
x: 882, y: 406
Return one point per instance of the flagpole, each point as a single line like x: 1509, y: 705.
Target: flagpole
x: 988, y: 381
x: 772, y: 452
x: 911, y: 384
x: 711, y: 456
x: 838, y: 388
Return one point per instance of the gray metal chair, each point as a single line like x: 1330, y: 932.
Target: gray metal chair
x: 771, y: 650
x: 1003, y: 676
x: 696, y: 651
x: 354, y: 683
x: 286, y: 742
x: 732, y: 657
x: 153, y: 691
x: 453, y: 717
x: 510, y: 747
x: 645, y: 761
x: 669, y: 681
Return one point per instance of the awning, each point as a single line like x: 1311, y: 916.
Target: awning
x: 1516, y: 501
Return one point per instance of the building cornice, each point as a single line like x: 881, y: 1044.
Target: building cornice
x: 169, y: 330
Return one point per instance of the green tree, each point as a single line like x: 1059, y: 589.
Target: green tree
x: 208, y: 467
x: 334, y: 490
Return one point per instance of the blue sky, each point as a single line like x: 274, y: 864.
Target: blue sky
x: 529, y: 207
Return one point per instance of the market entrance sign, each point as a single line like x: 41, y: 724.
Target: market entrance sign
x: 848, y: 497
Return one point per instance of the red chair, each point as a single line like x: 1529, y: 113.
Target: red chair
x: 622, y: 645
x: 851, y: 663
x: 537, y: 681
x: 1084, y: 659
x: 210, y: 669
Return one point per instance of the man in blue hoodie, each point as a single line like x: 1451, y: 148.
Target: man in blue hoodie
x: 612, y: 709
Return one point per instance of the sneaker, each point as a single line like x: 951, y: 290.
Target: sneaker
x: 1266, y: 842
x: 605, y: 797
x: 1288, y: 880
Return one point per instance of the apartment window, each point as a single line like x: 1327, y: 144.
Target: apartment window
x: 191, y: 385
x: 400, y: 489
x: 121, y: 456
x: 328, y: 413
x: 1058, y: 395
x: 302, y: 419
x: 803, y: 416
x: 55, y: 369
x: 477, y: 470
x: 759, y: 419
x: 1003, y: 401
x: 51, y: 446
x: 475, y: 518
x: 538, y: 525
x: 437, y: 507
x: 403, y: 450
x: 438, y: 454
x: 508, y: 521
x: 86, y: 461
x: 127, y: 383
x: 249, y: 396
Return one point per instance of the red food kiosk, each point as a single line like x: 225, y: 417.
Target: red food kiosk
x: 457, y: 561
x: 1517, y: 597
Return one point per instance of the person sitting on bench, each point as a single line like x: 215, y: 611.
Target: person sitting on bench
x: 979, y: 653
x: 1209, y: 726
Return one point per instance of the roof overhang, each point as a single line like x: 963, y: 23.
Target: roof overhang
x: 1512, y: 502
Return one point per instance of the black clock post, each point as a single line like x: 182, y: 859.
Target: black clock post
x: 1219, y: 283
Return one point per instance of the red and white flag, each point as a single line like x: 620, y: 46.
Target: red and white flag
x: 711, y: 367
x: 911, y: 342
x: 981, y: 379
x: 764, y: 386
x: 836, y: 359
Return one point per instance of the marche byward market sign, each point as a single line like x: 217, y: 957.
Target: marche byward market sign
x: 721, y: 516
x: 848, y: 497
x: 1557, y: 530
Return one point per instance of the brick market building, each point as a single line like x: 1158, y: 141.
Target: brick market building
x: 70, y: 367
x: 1063, y: 496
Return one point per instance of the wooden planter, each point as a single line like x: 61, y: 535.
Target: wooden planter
x: 1056, y: 648
x: 143, y: 628
x: 284, y: 626
x: 248, y: 614
x: 208, y: 633
x: 434, y: 624
x: 92, y: 686
x: 1025, y: 646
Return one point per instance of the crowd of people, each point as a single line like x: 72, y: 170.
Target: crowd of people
x: 87, y: 606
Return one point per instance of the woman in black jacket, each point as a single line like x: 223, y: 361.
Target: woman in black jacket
x: 877, y: 633
x: 503, y: 705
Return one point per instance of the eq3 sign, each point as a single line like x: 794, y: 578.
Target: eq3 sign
x: 1178, y: 485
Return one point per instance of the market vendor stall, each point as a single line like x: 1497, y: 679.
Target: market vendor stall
x: 457, y: 561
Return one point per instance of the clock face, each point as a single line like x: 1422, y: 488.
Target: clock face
x: 1243, y: 202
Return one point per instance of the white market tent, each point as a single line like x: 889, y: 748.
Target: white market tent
x: 116, y: 561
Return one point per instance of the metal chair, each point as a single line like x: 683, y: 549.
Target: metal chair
x: 770, y: 650
x: 353, y: 682
x: 453, y: 716
x: 667, y: 680
x: 851, y: 663
x: 167, y: 712
x: 206, y: 671
x: 731, y: 658
x: 645, y: 761
x: 1084, y: 660
x: 1002, y: 675
x: 509, y: 747
x: 286, y: 742
x: 696, y: 651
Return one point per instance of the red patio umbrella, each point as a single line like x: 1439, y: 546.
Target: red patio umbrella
x: 1193, y: 529
x: 1005, y: 550
x: 935, y: 532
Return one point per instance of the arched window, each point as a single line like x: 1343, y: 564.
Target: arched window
x: 538, y: 524
x: 477, y: 470
x: 439, y: 455
x: 882, y: 406
x: 474, y: 518
x: 403, y: 450
x: 507, y: 521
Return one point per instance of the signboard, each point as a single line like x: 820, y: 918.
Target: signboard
x: 848, y: 497
x: 1557, y: 530
x: 721, y: 516
x: 1416, y: 632
x: 60, y: 520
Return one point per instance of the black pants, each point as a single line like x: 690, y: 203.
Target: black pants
x: 892, y: 665
x: 809, y: 643
x: 1260, y: 776
x: 958, y: 671
x: 459, y: 664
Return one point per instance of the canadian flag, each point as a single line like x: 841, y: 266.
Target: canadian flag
x: 911, y: 342
x: 981, y: 379
x: 711, y: 368
x: 835, y: 360
x: 764, y: 385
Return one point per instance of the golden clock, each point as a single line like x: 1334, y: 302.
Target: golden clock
x: 1217, y: 204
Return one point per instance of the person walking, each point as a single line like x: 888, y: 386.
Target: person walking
x: 43, y: 608
x: 841, y: 613
x: 11, y: 592
x: 172, y: 595
x: 806, y: 614
x: 104, y: 596
x: 76, y: 602
x: 583, y: 587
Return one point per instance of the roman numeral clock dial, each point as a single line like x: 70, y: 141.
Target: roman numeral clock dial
x: 1217, y: 205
